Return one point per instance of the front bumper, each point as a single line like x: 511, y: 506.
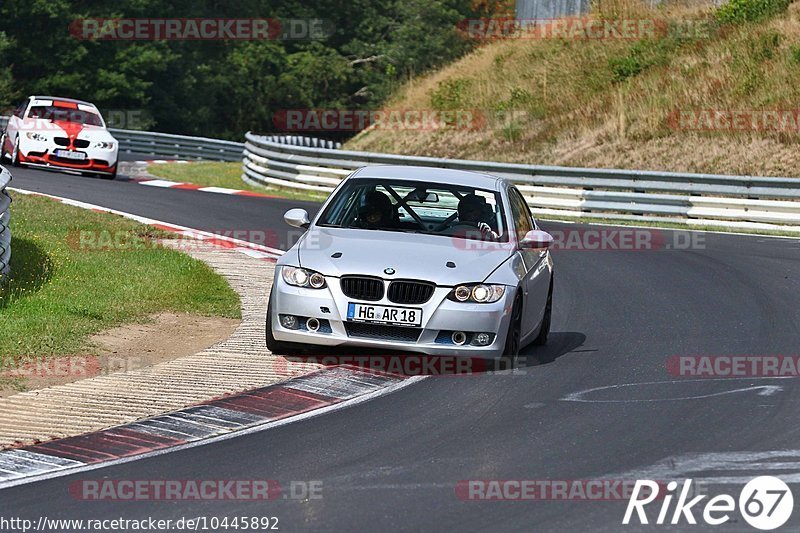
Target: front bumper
x: 440, y: 317
x: 42, y: 154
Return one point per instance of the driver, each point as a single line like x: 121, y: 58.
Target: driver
x: 376, y: 212
x: 471, y: 210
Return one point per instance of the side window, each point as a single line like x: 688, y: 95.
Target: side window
x: 519, y: 210
x: 19, y: 111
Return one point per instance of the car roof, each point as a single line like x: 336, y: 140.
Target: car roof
x: 62, y: 99
x: 431, y: 174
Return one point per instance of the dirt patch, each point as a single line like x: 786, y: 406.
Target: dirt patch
x: 131, y: 347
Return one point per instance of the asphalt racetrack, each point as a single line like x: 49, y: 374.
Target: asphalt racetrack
x: 599, y: 402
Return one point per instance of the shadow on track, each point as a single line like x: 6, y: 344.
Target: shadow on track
x: 558, y: 344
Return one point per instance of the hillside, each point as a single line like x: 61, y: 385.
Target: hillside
x: 707, y: 92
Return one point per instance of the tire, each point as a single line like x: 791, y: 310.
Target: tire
x: 508, y: 360
x: 277, y: 347
x: 544, y: 330
x: 15, y: 155
x: 2, y: 147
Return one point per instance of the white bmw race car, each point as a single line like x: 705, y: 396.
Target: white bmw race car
x: 47, y: 131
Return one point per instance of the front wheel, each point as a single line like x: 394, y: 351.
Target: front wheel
x: 3, y: 147
x: 15, y: 154
x: 544, y: 330
x: 511, y: 349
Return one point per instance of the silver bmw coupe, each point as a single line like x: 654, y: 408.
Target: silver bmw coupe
x: 424, y: 260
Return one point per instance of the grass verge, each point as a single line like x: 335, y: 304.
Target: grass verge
x: 209, y: 174
x: 60, y: 293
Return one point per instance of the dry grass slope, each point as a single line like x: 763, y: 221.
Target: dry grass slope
x: 616, y: 102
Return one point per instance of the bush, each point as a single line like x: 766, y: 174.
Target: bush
x: 626, y: 67
x: 449, y: 94
x: 737, y: 11
x: 794, y: 54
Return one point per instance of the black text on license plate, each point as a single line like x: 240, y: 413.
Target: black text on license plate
x: 402, y: 316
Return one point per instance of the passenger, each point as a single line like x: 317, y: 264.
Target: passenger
x: 376, y: 212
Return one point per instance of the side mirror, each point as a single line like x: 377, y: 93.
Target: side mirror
x: 297, y: 218
x: 536, y: 239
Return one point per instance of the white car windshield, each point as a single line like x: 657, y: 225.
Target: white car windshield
x: 63, y: 114
x: 417, y: 207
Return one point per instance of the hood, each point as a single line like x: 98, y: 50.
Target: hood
x: 412, y: 256
x: 74, y: 130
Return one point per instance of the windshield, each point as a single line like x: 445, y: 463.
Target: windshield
x: 63, y: 114
x: 417, y: 207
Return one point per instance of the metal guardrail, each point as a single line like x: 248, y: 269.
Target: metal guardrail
x: 747, y: 202
x: 181, y: 146
x: 5, y: 231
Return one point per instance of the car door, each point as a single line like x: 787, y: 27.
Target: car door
x: 13, y: 126
x: 536, y: 284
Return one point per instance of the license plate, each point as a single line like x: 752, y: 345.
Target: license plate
x: 69, y: 154
x: 379, y: 314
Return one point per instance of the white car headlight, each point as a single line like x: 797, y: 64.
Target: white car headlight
x: 301, y: 277
x: 104, y: 145
x: 36, y: 136
x: 480, y: 293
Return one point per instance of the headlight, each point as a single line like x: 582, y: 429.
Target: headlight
x: 301, y: 277
x: 36, y: 136
x: 482, y: 294
x: 104, y: 145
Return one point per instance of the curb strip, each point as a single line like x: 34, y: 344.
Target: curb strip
x: 203, y: 422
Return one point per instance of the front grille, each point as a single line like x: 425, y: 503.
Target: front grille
x: 360, y: 288
x: 81, y: 143
x: 384, y: 333
x: 76, y: 162
x: 410, y: 292
x: 61, y: 141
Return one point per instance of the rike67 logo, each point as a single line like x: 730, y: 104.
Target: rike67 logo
x: 765, y: 503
